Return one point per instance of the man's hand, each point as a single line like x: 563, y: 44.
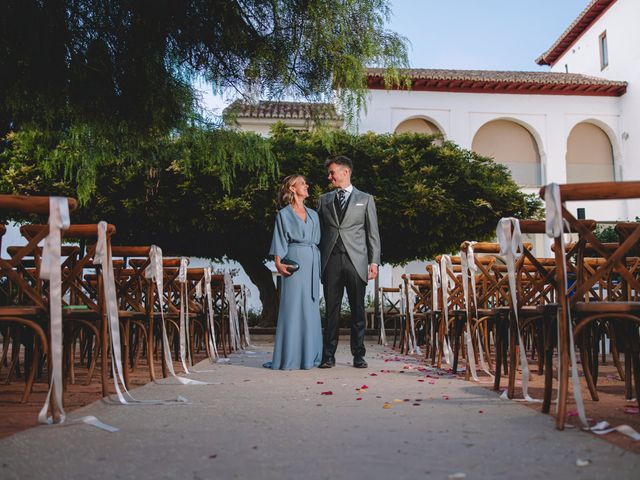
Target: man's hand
x: 373, y: 271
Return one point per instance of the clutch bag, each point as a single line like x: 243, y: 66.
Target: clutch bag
x: 292, y: 265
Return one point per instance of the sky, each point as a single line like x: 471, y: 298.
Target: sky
x: 471, y: 34
x: 481, y: 34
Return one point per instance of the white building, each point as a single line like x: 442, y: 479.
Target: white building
x: 578, y: 123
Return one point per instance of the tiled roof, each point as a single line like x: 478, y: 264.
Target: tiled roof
x: 589, y: 15
x: 285, y: 110
x: 514, y: 82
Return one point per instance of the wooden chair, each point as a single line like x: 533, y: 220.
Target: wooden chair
x: 578, y: 306
x: 83, y: 305
x: 390, y: 310
x: 25, y: 307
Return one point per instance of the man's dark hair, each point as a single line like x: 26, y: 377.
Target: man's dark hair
x: 339, y: 160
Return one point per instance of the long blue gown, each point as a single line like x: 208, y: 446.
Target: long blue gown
x: 298, y: 342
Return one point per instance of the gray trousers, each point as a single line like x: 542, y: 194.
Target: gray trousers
x: 339, y: 273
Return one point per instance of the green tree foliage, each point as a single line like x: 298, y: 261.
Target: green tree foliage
x: 123, y: 71
x: 431, y: 195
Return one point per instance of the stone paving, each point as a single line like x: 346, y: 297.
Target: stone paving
x: 392, y: 420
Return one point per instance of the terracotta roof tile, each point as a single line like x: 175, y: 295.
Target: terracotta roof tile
x: 285, y: 110
x: 493, y: 81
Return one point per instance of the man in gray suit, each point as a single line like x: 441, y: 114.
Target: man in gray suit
x: 350, y: 253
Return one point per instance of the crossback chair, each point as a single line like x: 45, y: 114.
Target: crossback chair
x: 417, y: 291
x: 25, y: 308
x: 390, y: 301
x: 579, y: 307
x: 83, y: 305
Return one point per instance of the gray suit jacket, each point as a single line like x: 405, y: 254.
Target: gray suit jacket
x: 358, y: 230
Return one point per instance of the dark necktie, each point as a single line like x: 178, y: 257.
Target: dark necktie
x: 342, y: 199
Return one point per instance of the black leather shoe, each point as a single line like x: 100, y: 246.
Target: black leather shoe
x: 359, y: 362
x: 331, y: 362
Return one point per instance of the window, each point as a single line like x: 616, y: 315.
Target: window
x: 604, y: 51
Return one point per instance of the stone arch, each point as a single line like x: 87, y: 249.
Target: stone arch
x: 419, y: 124
x: 515, y: 144
x: 590, y: 155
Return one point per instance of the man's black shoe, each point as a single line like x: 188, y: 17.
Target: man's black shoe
x: 359, y: 362
x: 328, y: 363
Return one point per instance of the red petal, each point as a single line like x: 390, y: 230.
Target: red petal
x: 327, y: 393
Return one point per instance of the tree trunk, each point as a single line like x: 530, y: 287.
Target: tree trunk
x: 261, y: 276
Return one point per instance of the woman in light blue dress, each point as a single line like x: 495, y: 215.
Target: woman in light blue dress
x: 296, y: 237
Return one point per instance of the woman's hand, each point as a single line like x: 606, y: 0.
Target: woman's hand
x: 282, y: 268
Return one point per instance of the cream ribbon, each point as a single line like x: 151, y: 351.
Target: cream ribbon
x: 469, y: 264
x: 555, y: 229
x: 435, y: 285
x: 234, y: 325
x: 469, y: 272
x: 50, y: 270
x: 185, y: 351
x: 511, y: 247
x: 245, y: 293
x: 446, y: 282
x: 602, y: 428
x: 103, y: 257
x: 383, y: 334
x: 413, y: 344
x: 154, y: 272
x: 212, y: 326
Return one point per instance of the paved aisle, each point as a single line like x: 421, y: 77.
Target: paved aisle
x: 264, y: 424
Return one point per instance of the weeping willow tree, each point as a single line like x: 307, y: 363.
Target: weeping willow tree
x: 101, y: 79
x: 430, y: 194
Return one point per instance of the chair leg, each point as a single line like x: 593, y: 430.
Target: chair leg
x: 499, y: 346
x: 31, y: 366
x: 514, y: 350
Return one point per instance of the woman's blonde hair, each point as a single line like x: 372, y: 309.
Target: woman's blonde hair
x: 286, y: 195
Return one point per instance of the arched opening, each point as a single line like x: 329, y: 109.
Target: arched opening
x: 417, y: 125
x: 589, y: 155
x: 512, y: 145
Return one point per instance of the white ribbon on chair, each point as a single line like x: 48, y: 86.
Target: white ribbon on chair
x: 468, y: 258
x: 50, y: 270
x: 234, y: 325
x: 511, y: 247
x: 155, y: 272
x: 555, y: 229
x: 446, y: 282
x: 469, y: 269
x: 435, y: 285
x: 245, y: 317
x: 213, y: 350
x: 103, y: 257
x: 413, y: 344
x: 185, y: 350
x: 383, y: 334
x: 199, y: 289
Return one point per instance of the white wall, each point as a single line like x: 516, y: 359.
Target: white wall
x: 549, y: 118
x: 623, y: 40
